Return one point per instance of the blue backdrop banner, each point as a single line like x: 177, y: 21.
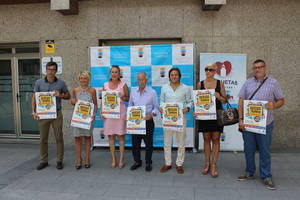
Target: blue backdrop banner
x: 155, y: 61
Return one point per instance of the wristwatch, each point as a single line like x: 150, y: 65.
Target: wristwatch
x: 241, y: 118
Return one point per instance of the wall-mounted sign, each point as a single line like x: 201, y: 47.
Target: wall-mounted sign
x: 50, y: 46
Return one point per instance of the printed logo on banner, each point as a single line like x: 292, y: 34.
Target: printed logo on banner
x: 223, y: 68
x: 160, y: 74
x: 125, y: 72
x: 161, y: 54
x: 100, y: 56
x: 99, y: 138
x: 182, y: 54
x: 140, y: 55
x: 120, y: 55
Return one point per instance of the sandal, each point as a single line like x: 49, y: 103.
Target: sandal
x: 121, y: 165
x: 214, y: 171
x: 113, y: 164
x: 206, y: 169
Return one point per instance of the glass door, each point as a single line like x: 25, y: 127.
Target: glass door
x: 28, y: 73
x: 7, y: 125
x: 19, y: 69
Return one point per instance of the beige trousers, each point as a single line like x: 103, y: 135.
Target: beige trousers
x: 180, y: 139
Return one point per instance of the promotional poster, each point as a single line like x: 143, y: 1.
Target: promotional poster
x: 205, y: 104
x: 172, y: 116
x: 82, y: 115
x: 110, y: 105
x: 136, y: 124
x: 45, y: 105
x: 255, y: 116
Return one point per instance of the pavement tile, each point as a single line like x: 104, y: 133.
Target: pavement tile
x: 19, y: 180
x: 172, y: 193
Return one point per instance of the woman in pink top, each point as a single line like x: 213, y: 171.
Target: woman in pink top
x: 116, y: 127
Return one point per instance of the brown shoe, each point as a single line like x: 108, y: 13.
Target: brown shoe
x: 179, y: 169
x: 165, y: 168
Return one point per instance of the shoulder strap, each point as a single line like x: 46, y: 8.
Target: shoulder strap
x: 258, y: 88
x: 218, y: 84
x: 202, y: 85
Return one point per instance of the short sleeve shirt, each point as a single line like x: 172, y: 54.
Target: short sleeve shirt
x: 270, y: 91
x: 42, y: 85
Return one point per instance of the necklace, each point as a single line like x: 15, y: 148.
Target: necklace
x: 84, y: 89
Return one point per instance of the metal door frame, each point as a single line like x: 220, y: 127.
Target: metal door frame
x: 16, y: 90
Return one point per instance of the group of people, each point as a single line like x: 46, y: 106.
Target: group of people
x: 143, y: 95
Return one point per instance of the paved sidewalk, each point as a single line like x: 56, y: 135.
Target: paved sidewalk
x: 20, y: 180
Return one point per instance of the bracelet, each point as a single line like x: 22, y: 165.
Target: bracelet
x: 241, y: 118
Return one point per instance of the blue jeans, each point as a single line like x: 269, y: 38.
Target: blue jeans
x: 262, y: 143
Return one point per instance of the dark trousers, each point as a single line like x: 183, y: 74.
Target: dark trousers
x: 57, y: 125
x: 148, y: 140
x: 260, y: 142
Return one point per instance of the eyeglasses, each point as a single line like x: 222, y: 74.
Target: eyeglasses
x: 51, y: 69
x: 209, y: 70
x: 258, y: 67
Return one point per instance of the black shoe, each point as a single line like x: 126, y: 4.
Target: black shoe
x: 42, y: 165
x: 135, y: 166
x: 148, y: 168
x: 59, y: 165
x: 78, y: 167
x: 87, y: 166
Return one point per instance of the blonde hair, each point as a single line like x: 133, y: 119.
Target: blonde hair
x: 84, y: 73
x: 212, y: 66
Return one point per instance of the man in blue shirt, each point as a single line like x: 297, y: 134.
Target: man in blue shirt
x: 144, y: 96
x: 51, y: 83
x: 270, y: 91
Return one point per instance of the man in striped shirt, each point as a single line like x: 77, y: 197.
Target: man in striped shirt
x: 270, y: 91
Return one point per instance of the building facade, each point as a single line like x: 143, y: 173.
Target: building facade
x: 268, y: 30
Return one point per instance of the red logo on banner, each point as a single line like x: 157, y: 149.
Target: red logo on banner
x: 223, y: 68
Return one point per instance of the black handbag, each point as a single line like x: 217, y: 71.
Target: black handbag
x: 227, y: 116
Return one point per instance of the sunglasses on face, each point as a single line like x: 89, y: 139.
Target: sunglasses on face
x: 258, y: 67
x: 209, y: 70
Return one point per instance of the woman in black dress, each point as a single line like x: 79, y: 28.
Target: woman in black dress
x: 211, y: 131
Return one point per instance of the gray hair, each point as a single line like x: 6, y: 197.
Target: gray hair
x: 144, y: 73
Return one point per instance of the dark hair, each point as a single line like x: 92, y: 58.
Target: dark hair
x: 115, y: 66
x: 51, y: 63
x: 175, y: 69
x: 258, y: 61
